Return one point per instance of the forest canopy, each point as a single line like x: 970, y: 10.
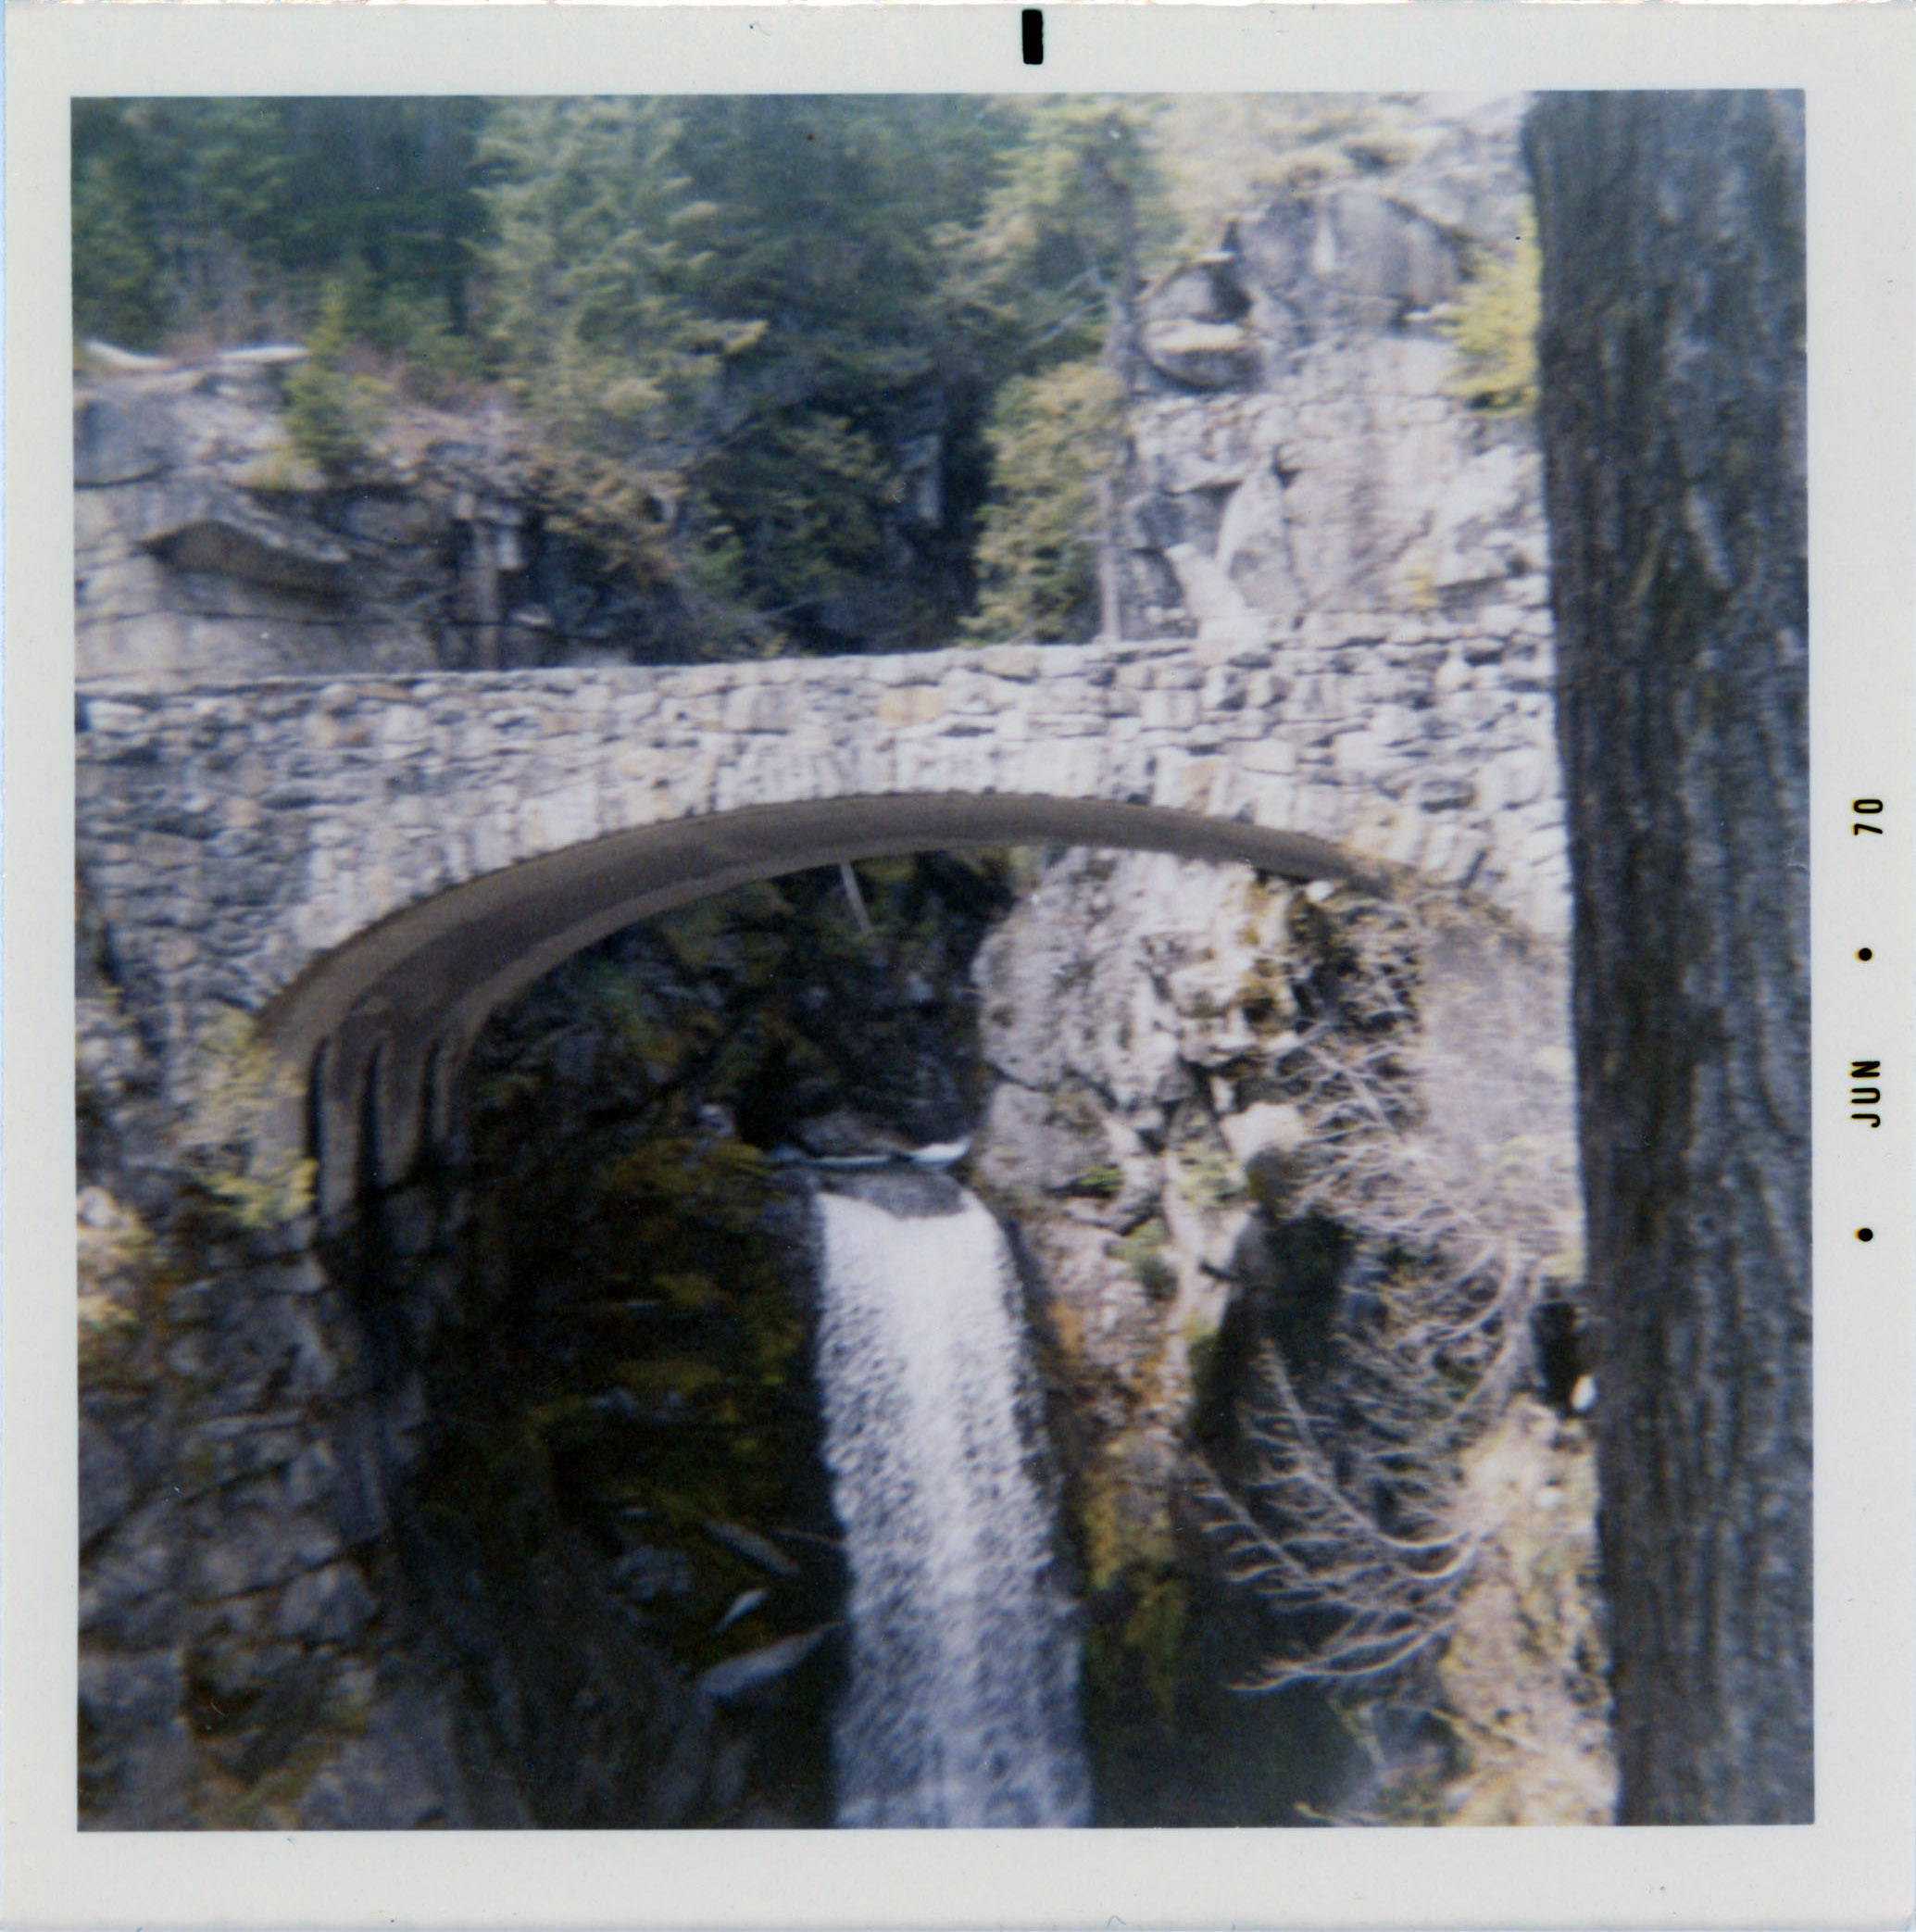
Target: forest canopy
x: 812, y: 368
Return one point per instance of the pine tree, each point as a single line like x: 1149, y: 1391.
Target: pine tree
x: 229, y: 216
x: 1053, y: 439
x: 859, y: 398
x: 592, y: 269
x: 721, y: 316
x: 116, y: 273
x: 1049, y: 280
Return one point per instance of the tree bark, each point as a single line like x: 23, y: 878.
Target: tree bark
x: 1672, y: 424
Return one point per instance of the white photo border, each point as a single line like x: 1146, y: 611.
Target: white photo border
x: 1853, y: 1866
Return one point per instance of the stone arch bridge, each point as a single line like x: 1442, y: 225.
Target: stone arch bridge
x: 371, y: 865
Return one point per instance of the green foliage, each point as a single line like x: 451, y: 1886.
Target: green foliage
x: 1053, y: 265
x: 593, y: 252
x: 333, y: 415
x: 222, y: 217
x: 282, y: 469
x: 115, y: 272
x: 1142, y: 1252
x: 804, y: 371
x: 795, y: 512
x: 1211, y: 1180
x: 229, y: 1139
x: 1155, y: 1633
x: 1493, y: 325
x: 721, y: 316
x: 1052, y: 438
x: 1225, y: 154
x: 417, y: 327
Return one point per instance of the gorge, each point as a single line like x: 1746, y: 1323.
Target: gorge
x: 496, y: 1113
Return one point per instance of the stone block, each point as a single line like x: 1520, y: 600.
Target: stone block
x: 251, y: 1549
x: 909, y: 704
x: 119, y: 1692
x: 134, y: 1565
x: 329, y: 1605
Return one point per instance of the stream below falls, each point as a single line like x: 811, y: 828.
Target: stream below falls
x: 961, y: 1707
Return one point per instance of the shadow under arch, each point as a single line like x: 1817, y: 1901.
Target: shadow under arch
x: 382, y: 1022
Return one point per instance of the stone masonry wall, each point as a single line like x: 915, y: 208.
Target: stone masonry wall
x: 230, y: 837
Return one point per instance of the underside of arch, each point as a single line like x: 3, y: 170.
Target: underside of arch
x: 384, y: 1020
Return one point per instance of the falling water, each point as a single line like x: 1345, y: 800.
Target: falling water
x: 962, y: 1703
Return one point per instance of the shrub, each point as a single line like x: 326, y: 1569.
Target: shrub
x: 332, y: 415
x: 1493, y: 325
x: 1142, y: 1252
x: 1440, y: 1135
x: 228, y: 1135
x: 1052, y: 438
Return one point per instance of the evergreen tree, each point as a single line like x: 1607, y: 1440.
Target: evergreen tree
x: 860, y: 401
x: 1053, y: 440
x: 593, y: 273
x: 722, y: 317
x: 115, y: 272
x: 228, y: 216
x: 333, y: 415
x: 1051, y: 276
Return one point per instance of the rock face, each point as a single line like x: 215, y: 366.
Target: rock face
x: 206, y: 548
x: 356, y: 1552
x: 1301, y: 451
x: 1156, y: 1136
x: 505, y: 1504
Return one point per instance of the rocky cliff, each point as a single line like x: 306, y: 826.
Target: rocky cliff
x: 1239, y: 1125
x: 503, y: 1506
x: 1302, y: 448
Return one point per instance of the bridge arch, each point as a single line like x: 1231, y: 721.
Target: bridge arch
x: 371, y: 864
x: 383, y: 1023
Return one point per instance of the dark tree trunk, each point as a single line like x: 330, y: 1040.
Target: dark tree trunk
x: 1673, y: 422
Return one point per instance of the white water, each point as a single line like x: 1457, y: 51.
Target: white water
x: 962, y: 1703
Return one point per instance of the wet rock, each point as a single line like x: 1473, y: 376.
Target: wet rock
x: 126, y: 1586
x: 754, y: 1547
x: 901, y: 1192
x: 135, y: 1760
x: 256, y: 1547
x: 116, y: 1691
x: 757, y: 1669
x: 646, y: 1574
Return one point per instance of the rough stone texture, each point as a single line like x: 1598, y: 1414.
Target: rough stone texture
x: 203, y: 551
x: 1674, y: 385
x: 1342, y: 569
x: 1525, y: 1668
x: 1139, y: 1014
x: 1299, y: 452
x: 231, y: 837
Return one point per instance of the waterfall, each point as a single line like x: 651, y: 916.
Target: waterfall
x: 961, y: 1707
